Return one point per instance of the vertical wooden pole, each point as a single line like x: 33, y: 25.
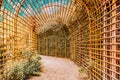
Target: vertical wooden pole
x: 90, y: 50
x: 74, y: 46
x: 65, y: 46
x: 65, y: 42
x: 70, y: 46
x: 104, y: 52
x: 47, y: 44
x: 114, y: 40
x: 39, y: 45
x: 56, y: 45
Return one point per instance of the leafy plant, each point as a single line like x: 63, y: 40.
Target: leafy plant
x: 23, y: 69
x: 81, y: 70
x: 36, y: 61
x: 83, y: 75
x: 87, y: 70
x: 32, y: 65
x: 16, y: 71
x: 27, y: 53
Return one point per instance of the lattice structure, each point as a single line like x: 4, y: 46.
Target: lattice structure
x: 55, y: 42
x: 16, y: 35
x: 90, y: 34
x: 104, y: 41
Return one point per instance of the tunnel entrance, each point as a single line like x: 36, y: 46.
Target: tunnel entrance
x: 54, y: 40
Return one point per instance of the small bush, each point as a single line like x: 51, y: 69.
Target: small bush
x: 82, y: 73
x: 16, y: 71
x: 26, y: 53
x: 87, y: 70
x: 36, y: 61
x: 32, y: 65
x: 23, y: 69
x: 81, y: 70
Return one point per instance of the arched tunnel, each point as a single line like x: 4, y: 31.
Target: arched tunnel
x: 84, y: 31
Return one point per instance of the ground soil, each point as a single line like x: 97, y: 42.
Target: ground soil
x: 58, y: 69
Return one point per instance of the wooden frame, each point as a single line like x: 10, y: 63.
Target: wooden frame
x: 94, y: 27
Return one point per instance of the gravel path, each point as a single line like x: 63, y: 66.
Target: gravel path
x: 58, y: 69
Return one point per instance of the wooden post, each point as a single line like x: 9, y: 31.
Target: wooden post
x: 46, y: 44
x: 65, y: 47
x: 104, y: 52
x: 114, y: 40
x: 90, y: 49
x: 65, y: 43
x: 74, y: 46
x: 56, y: 45
x: 39, y: 45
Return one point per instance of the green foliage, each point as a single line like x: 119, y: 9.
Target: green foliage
x: 36, y: 61
x: 81, y: 70
x: 83, y: 75
x: 87, y: 70
x: 32, y: 65
x: 27, y: 53
x: 16, y: 71
x: 28, y: 69
x: 23, y: 69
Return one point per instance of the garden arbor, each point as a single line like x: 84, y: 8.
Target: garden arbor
x: 86, y: 31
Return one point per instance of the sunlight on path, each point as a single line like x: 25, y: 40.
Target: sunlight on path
x: 58, y: 69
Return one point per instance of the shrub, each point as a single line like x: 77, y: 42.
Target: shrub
x: 81, y: 70
x: 35, y: 60
x: 16, y: 71
x: 23, y: 69
x: 89, y: 68
x: 32, y: 65
x: 27, y: 53
x: 28, y: 69
x: 86, y: 70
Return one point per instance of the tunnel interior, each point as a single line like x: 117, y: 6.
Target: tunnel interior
x: 55, y: 40
x: 85, y: 31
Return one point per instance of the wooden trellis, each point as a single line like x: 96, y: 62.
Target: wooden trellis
x: 92, y: 33
x: 54, y: 43
x: 16, y: 35
x: 104, y: 40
